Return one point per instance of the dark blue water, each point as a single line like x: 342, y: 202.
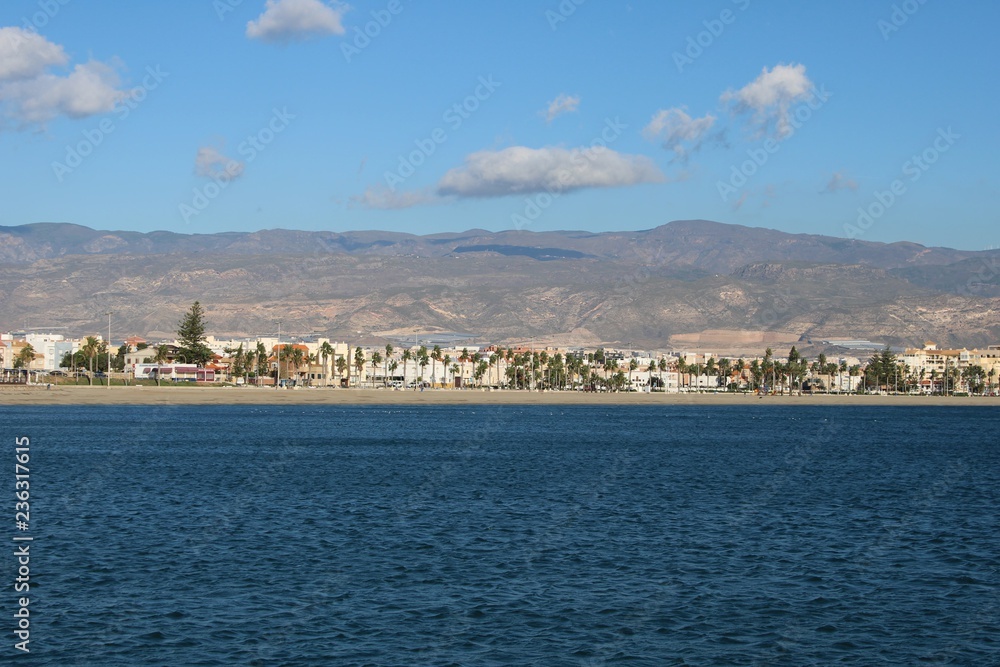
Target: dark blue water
x: 757, y: 535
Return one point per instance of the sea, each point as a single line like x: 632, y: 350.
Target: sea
x: 506, y: 535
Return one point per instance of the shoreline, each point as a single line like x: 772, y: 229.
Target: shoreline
x: 133, y: 395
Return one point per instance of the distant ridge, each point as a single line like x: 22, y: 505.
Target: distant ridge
x: 702, y: 244
x: 683, y: 281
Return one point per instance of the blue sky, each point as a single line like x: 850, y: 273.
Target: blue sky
x: 871, y: 120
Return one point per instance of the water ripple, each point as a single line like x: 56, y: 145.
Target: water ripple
x: 514, y: 535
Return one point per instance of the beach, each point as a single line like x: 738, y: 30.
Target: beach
x: 139, y: 395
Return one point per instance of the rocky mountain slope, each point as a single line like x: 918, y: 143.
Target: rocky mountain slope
x: 646, y: 288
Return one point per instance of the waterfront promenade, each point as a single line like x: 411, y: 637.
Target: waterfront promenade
x: 102, y: 395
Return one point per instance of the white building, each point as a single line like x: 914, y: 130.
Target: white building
x: 51, y: 348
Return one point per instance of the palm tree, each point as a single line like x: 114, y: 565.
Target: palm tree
x: 632, y: 365
x: 162, y: 356
x: 407, y: 355
x: 90, y: 349
x: 793, y: 367
x: 769, y: 365
x: 992, y: 374
x: 618, y: 381
x: 393, y: 365
x: 435, y: 357
x: 298, y: 358
x: 285, y: 351
x: 463, y: 358
x: 599, y: 358
x: 495, y: 361
x: 341, y: 369
x: 974, y: 378
x: 376, y: 360
x: 511, y: 364
x: 422, y: 361
x: 682, y: 369
x: 778, y: 371
x: 349, y: 357
x: 25, y: 357
x: 446, y: 360
x: 389, y: 349
x: 609, y: 368
x: 725, y: 368
x: 326, y: 351
x: 477, y: 360
x: 313, y: 361
x: 555, y: 371
x: 359, y: 363
x: 421, y: 356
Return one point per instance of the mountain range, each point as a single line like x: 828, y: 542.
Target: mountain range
x: 686, y: 284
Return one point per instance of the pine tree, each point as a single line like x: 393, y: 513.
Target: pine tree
x: 191, y: 336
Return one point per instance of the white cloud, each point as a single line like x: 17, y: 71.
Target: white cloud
x: 560, y: 105
x: 31, y: 94
x: 384, y: 198
x: 680, y: 133
x: 841, y: 181
x: 296, y: 20
x: 522, y: 170
x: 210, y: 163
x: 25, y: 54
x: 770, y: 97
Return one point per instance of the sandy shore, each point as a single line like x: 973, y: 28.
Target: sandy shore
x: 69, y: 395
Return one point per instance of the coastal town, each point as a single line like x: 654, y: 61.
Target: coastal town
x: 429, y: 362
